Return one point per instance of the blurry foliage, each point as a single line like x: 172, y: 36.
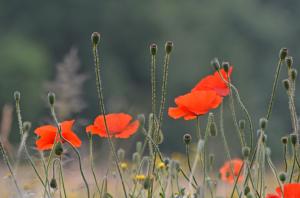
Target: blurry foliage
x: 34, y: 35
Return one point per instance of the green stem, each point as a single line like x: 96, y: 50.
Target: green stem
x: 102, y: 109
x: 189, y: 163
x: 153, y: 83
x: 62, y: 177
x: 92, y: 162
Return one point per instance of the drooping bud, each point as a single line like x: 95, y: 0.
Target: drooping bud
x: 17, y: 96
x: 51, y: 98
x: 95, y: 38
x: 153, y: 49
x: 169, y: 47
x: 141, y: 118
x: 283, y: 53
x: 226, y: 66
x: 294, y: 138
x: 263, y: 123
x: 53, y: 183
x: 121, y: 154
x: 246, y: 190
x: 284, y: 140
x: 215, y: 63
x: 187, y: 138
x: 282, y: 177
x: 147, y: 183
x: 286, y: 84
x: 294, y: 74
x: 246, y: 151
x: 26, y: 126
x: 242, y: 124
x: 289, y: 61
x: 58, y: 150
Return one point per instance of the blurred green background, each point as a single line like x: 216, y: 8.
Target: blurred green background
x: 36, y: 35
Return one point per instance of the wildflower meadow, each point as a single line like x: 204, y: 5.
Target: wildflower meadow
x: 150, y: 172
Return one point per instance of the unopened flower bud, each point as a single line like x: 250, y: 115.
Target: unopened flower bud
x: 226, y: 66
x: 242, y: 124
x: 286, y: 84
x: 246, y: 151
x: 282, y: 177
x: 17, y: 96
x: 141, y: 119
x: 58, y: 150
x: 289, y: 61
x: 53, y: 183
x: 95, y: 38
x: 121, y: 154
x: 294, y: 138
x: 187, y: 138
x: 51, y: 98
x: 153, y: 49
x: 263, y: 123
x: 283, y: 53
x: 215, y: 63
x: 294, y: 74
x: 147, y: 183
x: 26, y: 126
x: 284, y: 140
x: 246, y: 190
x: 169, y: 47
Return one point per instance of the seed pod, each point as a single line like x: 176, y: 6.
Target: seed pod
x: 284, y: 140
x: 53, y: 183
x: 289, y: 61
x: 246, y: 151
x: 147, y: 183
x: 263, y: 123
x: 187, y: 138
x: 153, y: 49
x: 283, y: 53
x: 95, y: 38
x: 169, y: 47
x: 294, y: 138
x: 294, y: 74
x: 282, y: 177
x: 286, y: 84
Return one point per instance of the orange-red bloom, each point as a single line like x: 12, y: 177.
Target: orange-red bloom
x: 48, y: 134
x: 193, y: 104
x: 120, y: 125
x: 226, y: 173
x: 215, y: 82
x: 289, y: 191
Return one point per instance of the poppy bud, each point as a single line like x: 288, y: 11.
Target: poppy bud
x: 294, y: 138
x: 136, y: 158
x: 167, y: 161
x: 282, y: 177
x: 147, y: 182
x: 215, y: 63
x: 17, y: 96
x: 225, y: 66
x: 168, y: 47
x: 250, y: 195
x: 153, y: 49
x: 286, y: 84
x: 242, y: 124
x: 141, y: 118
x: 58, y: 150
x: 283, y: 53
x: 263, y: 123
x: 26, y: 126
x: 139, y: 147
x: 246, y: 190
x: 187, y: 138
x: 289, y: 61
x: 51, y: 98
x: 246, y: 151
x: 95, y: 38
x: 121, y: 154
x: 53, y: 183
x: 284, y: 140
x: 294, y: 74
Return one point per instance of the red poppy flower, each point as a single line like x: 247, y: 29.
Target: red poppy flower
x: 120, y: 125
x: 48, y: 133
x: 193, y: 104
x: 226, y: 173
x: 215, y: 82
x: 289, y: 191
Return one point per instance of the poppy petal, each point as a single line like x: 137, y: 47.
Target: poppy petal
x: 72, y: 138
x: 130, y: 130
